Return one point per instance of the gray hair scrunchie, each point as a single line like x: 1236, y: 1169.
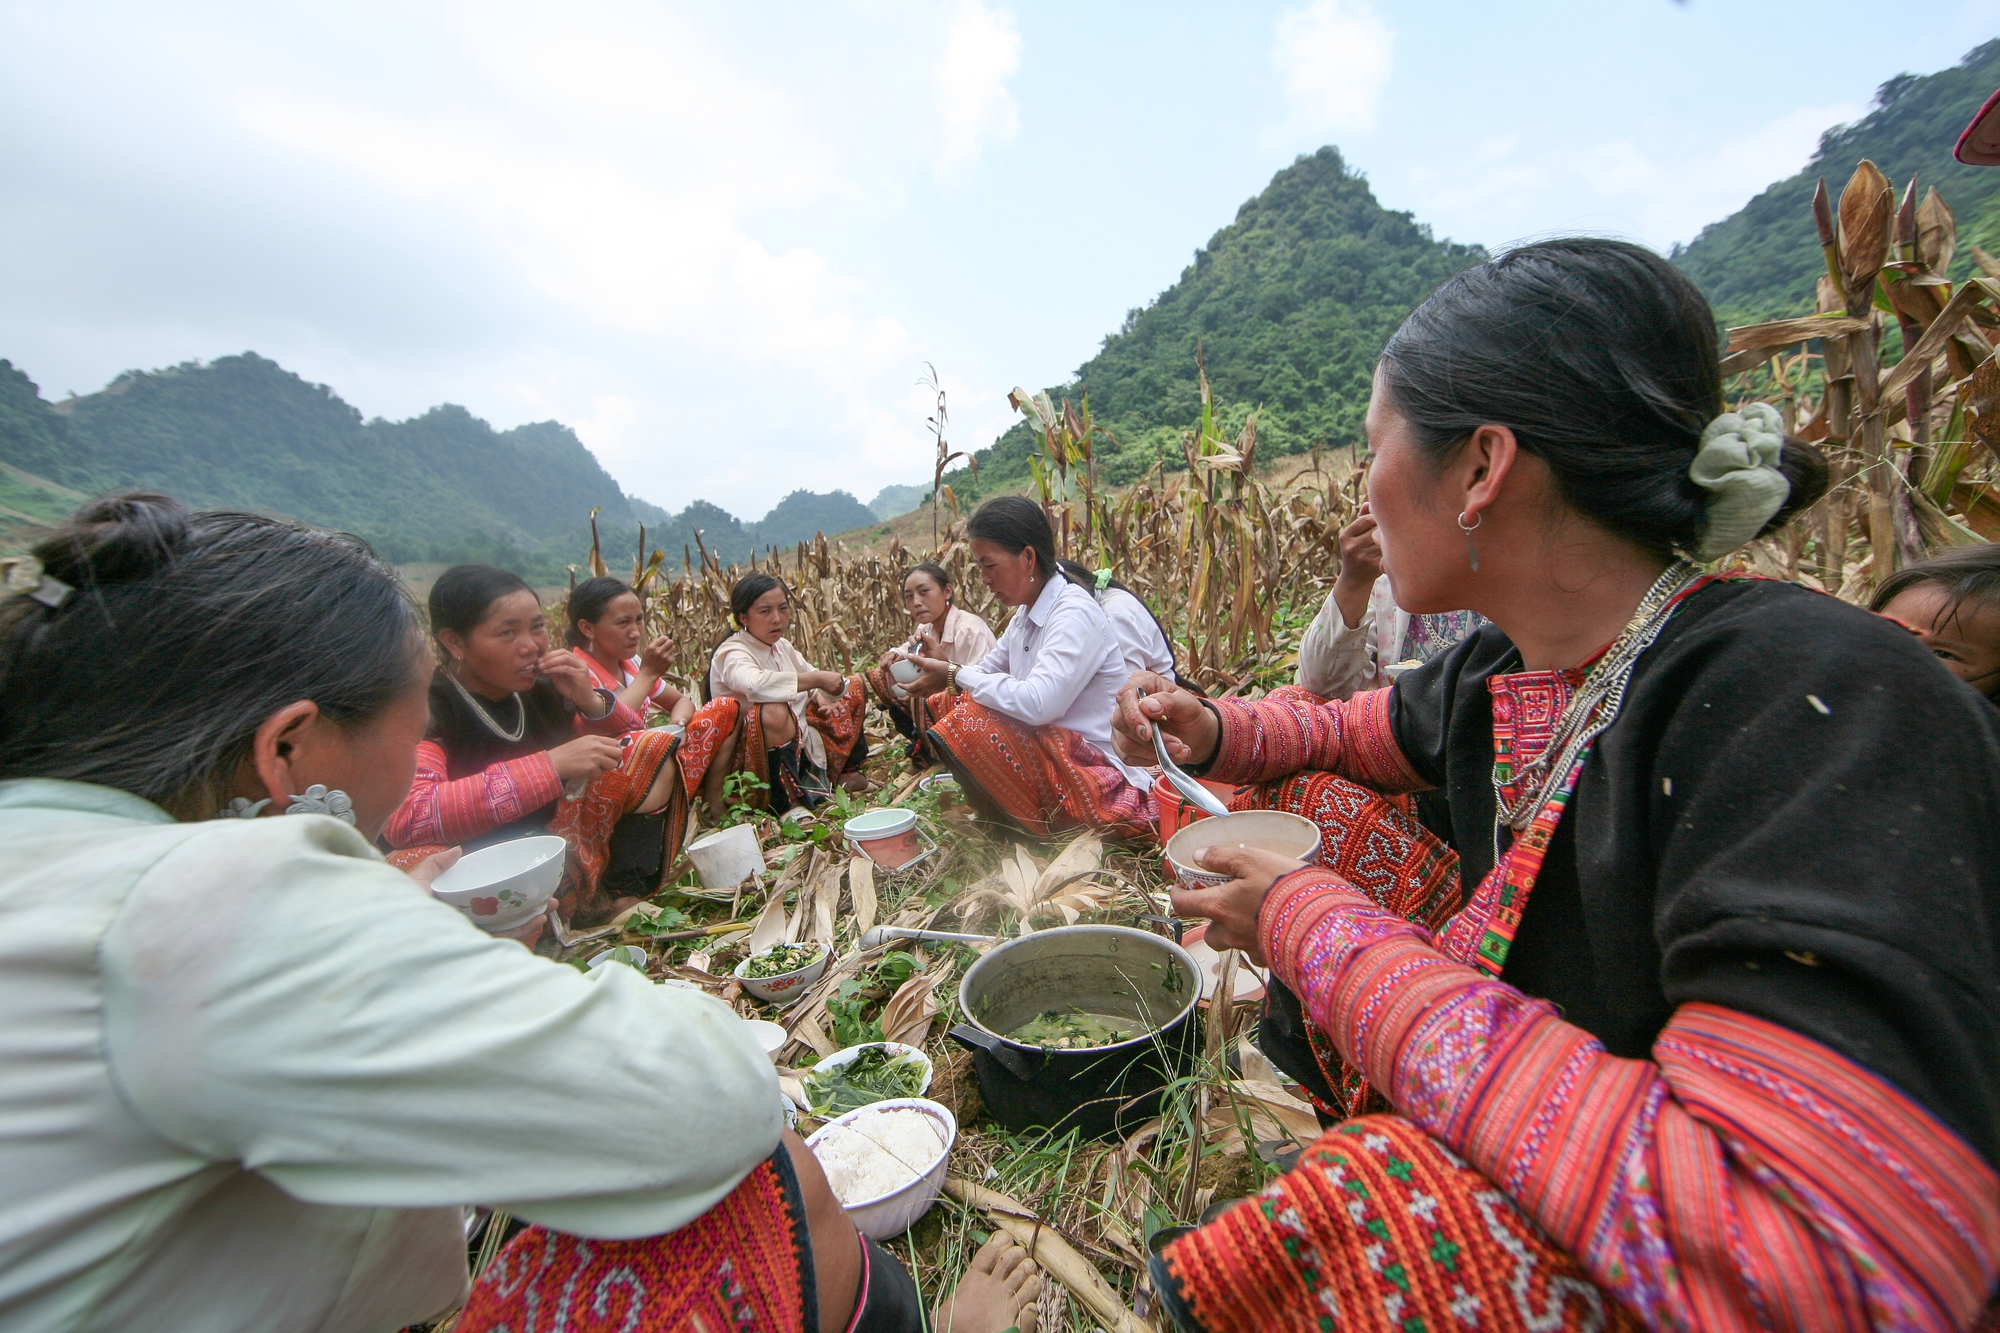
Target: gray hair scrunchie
x: 1737, y: 464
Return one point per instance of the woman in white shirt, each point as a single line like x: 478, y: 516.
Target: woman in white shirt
x: 1141, y: 636
x: 1027, y: 731
x: 806, y: 728
x: 943, y: 630
x: 251, y: 1077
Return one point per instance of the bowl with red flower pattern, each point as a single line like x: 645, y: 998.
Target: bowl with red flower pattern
x: 503, y: 886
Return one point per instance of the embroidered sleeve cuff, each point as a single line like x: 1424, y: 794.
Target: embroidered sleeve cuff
x: 535, y: 781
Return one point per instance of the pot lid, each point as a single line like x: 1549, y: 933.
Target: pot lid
x: 880, y: 824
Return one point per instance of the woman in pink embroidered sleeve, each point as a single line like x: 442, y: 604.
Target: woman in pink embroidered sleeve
x: 524, y: 740
x: 607, y: 631
x: 1677, y: 1004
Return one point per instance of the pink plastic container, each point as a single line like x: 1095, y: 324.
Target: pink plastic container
x: 889, y: 838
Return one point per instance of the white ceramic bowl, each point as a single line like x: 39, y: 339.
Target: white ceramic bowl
x: 789, y: 986
x: 847, y: 1055
x: 502, y: 886
x: 894, y: 1213
x: 631, y: 955
x: 1272, y: 830
x: 771, y: 1036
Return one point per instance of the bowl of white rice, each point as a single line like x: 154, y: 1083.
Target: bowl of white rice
x: 886, y: 1161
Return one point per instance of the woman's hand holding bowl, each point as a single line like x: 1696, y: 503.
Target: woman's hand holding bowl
x: 934, y: 676
x: 1232, y: 908
x: 1148, y: 700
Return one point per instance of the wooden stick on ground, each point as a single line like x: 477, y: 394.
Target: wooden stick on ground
x: 1057, y: 1256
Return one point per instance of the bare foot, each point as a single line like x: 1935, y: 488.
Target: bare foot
x: 996, y: 1293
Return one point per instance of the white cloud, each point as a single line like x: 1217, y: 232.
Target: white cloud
x: 627, y: 217
x: 982, y: 51
x: 1333, y: 58
x: 1511, y: 187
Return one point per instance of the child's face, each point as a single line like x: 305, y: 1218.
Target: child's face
x: 1968, y: 643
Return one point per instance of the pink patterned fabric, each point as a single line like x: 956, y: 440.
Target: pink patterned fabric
x: 1292, y: 731
x: 1745, y: 1178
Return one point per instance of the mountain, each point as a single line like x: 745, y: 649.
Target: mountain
x: 1763, y: 260
x: 1290, y: 305
x: 895, y: 501
x: 243, y: 432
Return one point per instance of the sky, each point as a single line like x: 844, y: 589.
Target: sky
x: 724, y: 242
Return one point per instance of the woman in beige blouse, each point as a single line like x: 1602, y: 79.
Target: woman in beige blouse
x: 805, y: 731
x: 945, y: 631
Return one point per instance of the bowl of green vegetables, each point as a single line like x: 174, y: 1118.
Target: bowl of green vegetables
x: 876, y: 1071
x: 782, y: 973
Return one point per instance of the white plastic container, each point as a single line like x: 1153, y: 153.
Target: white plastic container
x: 505, y: 885
x: 727, y: 857
x: 897, y: 1211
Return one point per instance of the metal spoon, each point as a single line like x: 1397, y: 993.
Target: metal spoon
x: 881, y: 935
x: 1191, y: 791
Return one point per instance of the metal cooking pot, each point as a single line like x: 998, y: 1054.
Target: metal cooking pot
x: 1104, y: 1090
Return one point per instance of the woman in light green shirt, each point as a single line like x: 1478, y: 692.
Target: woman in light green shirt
x: 251, y: 1076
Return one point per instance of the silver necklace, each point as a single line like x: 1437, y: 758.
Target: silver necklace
x: 1593, y: 707
x: 520, y: 712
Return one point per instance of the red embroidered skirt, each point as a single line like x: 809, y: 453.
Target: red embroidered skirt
x: 1379, y: 1229
x: 1041, y: 780
x: 744, y: 1264
x: 839, y: 725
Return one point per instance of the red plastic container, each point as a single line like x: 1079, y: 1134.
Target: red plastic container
x: 1176, y: 814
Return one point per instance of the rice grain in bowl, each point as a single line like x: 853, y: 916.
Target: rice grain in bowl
x: 886, y: 1161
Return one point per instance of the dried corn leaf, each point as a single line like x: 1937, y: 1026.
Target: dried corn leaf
x: 771, y: 926
x: 1083, y: 855
x: 1293, y: 1115
x: 907, y: 1017
x: 1790, y: 332
x: 806, y: 1028
x: 861, y: 886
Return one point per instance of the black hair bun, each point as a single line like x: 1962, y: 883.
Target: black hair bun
x: 1806, y: 469
x: 116, y: 539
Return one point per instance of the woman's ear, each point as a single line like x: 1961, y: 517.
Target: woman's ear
x: 1485, y: 462
x: 452, y: 642
x: 276, y: 752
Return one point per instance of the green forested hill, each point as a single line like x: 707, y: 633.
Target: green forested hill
x: 244, y: 432
x: 1763, y: 260
x: 1290, y: 303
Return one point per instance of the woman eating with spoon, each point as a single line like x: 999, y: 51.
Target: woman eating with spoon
x: 1686, y: 1015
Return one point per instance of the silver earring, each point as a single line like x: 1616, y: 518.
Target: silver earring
x: 1471, y: 550
x: 319, y: 801
x: 241, y: 807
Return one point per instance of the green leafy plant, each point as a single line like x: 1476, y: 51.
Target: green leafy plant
x: 849, y: 1004
x: 669, y: 920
